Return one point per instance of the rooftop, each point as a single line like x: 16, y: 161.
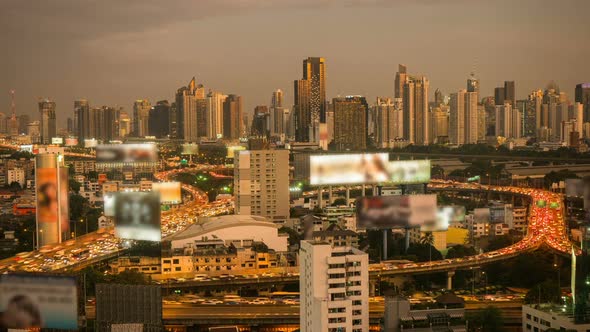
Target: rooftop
x: 207, y: 225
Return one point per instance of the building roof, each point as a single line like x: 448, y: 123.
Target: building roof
x: 449, y: 298
x: 207, y: 225
x: 334, y: 230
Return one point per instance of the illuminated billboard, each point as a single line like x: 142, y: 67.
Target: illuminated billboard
x: 482, y: 215
x: 109, y: 204
x: 57, y: 140
x: 348, y: 169
x: 169, y: 192
x: 385, y: 212
x: 409, y: 171
x: 71, y: 141
x: 574, y: 187
x: 90, y: 143
x: 232, y: 149
x: 190, y: 149
x: 38, y: 301
x: 445, y: 216
x: 137, y: 216
x: 64, y: 208
x: 126, y: 153
x: 47, y: 205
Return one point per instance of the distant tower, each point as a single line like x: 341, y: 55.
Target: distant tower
x: 13, y: 122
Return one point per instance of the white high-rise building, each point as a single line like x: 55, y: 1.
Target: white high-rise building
x: 508, y: 121
x: 457, y: 118
x: 579, y: 117
x: 141, y: 113
x: 388, y: 121
x: 334, y: 288
x: 215, y: 114
x: 277, y: 99
x: 279, y: 121
x: 261, y: 183
x: 471, y: 118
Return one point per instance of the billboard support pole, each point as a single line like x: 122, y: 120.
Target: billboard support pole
x: 407, y: 239
x: 385, y: 244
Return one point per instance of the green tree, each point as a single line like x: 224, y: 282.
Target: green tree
x: 294, y: 236
x: 74, y: 185
x: 79, y: 207
x: 427, y: 238
x: 15, y: 187
x: 339, y: 202
x: 460, y: 251
x: 499, y: 242
x: 556, y: 177
x: 544, y: 292
x: 489, y: 319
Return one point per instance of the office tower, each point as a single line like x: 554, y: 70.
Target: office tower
x: 12, y: 125
x: 70, y: 125
x: 233, y: 119
x: 400, y: 81
x: 508, y: 121
x: 81, y: 117
x: 215, y: 114
x: 261, y: 121
x: 551, y: 112
x: 350, y: 123
x: 499, y: 95
x: 158, y: 120
x: 23, y: 121
x: 579, y: 117
x: 3, y: 123
x: 141, y: 114
x: 186, y: 110
x: 567, y: 127
x: 34, y: 131
x: 105, y: 123
x: 415, y: 104
x: 481, y: 123
x: 51, y: 186
x: 438, y: 98
x: 172, y: 124
x: 388, y: 121
x: 124, y: 124
x: 489, y: 106
x: 333, y: 286
x: 582, y: 96
x: 439, y: 124
x: 510, y: 93
x: 534, y: 111
x: 457, y: 118
x: 202, y: 117
x: 277, y: 99
x: 261, y: 183
x: 472, y: 83
x: 330, y: 122
x: 310, y: 100
x: 279, y: 122
x: 47, y: 124
x: 471, y: 118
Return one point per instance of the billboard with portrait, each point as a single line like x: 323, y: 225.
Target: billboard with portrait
x: 47, y: 205
x: 64, y: 208
x: 38, y: 301
x: 409, y: 171
x: 445, y: 216
x: 170, y: 192
x: 385, y: 212
x: 109, y: 204
x: 349, y: 169
x: 137, y: 216
x: 126, y: 153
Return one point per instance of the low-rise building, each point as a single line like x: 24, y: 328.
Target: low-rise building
x: 146, y: 265
x: 541, y: 317
x: 337, y: 236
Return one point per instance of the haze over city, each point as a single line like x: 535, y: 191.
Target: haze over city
x: 113, y: 53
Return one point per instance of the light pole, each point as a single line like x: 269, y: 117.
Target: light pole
x: 485, y: 289
x: 39, y: 244
x: 558, y: 280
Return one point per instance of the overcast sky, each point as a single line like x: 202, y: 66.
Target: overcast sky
x: 115, y: 51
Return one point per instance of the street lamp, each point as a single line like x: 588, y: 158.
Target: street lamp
x: 39, y: 244
x: 558, y: 279
x: 485, y: 289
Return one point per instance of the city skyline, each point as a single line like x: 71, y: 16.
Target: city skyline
x: 107, y: 65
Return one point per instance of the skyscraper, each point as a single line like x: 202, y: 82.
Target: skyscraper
x: 158, y: 121
x: 415, y: 103
x: 438, y: 98
x: 400, y: 81
x: 457, y: 118
x: 277, y: 99
x: 471, y: 118
x: 350, y: 123
x: 508, y: 121
x: 233, y: 125
x: 81, y: 117
x: 439, y: 124
x: 261, y: 183
x: 186, y: 110
x: 582, y: 96
x: 261, y: 121
x: 499, y: 95
x: 310, y: 99
x: 388, y: 121
x: 215, y: 114
x: 141, y: 114
x: 13, y: 120
x: 472, y: 83
x: 47, y: 124
x: 334, y: 287
x: 510, y: 93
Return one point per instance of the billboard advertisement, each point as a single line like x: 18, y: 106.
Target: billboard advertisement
x: 482, y: 215
x: 574, y: 187
x: 190, y: 149
x: 231, y: 150
x: 57, y: 140
x: 71, y: 141
x: 126, y: 153
x: 47, y: 205
x: 445, y: 216
x: 109, y: 204
x: 348, y: 169
x: 90, y: 143
x: 137, y: 216
x: 169, y: 192
x: 409, y: 171
x: 27, y: 148
x: 34, y: 301
x: 384, y: 212
x: 64, y: 208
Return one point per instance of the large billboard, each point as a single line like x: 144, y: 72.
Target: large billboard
x: 384, y: 212
x: 232, y: 149
x: 109, y: 204
x: 47, y: 205
x: 190, y: 149
x: 409, y: 171
x: 137, y: 216
x: 445, y: 216
x: 71, y: 141
x: 169, y: 192
x: 348, y: 169
x: 574, y: 187
x: 57, y: 140
x: 90, y: 143
x: 34, y: 301
x: 64, y: 208
x: 126, y: 153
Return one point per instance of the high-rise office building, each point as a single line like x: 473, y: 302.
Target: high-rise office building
x: 534, y: 116
x: 141, y: 114
x: 508, y: 121
x: 439, y: 124
x: 233, y: 119
x: 415, y: 104
x: 334, y: 287
x: 158, y: 121
x: 277, y: 99
x: 124, y: 124
x: 105, y: 123
x: 279, y: 122
x: 400, y: 81
x: 551, y: 112
x: 582, y: 96
x: 202, y: 118
x: 579, y: 117
x: 186, y: 110
x: 260, y: 121
x: 350, y: 123
x: 438, y: 98
x: 310, y: 100
x: 510, y: 93
x: 457, y: 118
x: 215, y: 114
x: 388, y: 121
x: 23, y: 121
x: 472, y: 83
x: 47, y: 124
x: 82, y: 120
x: 471, y: 118
x: 261, y: 183
x: 12, y: 125
x: 499, y: 95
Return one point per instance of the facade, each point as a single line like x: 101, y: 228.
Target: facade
x: 457, y: 118
x: 350, y: 123
x: 261, y: 183
x: 214, y: 108
x: 388, y: 121
x: 334, y: 288
x: 415, y: 109
x: 16, y: 175
x: 310, y: 100
x: 471, y: 118
x: 158, y: 121
x: 541, y: 317
x: 439, y: 124
x: 508, y: 121
x: 233, y: 119
x: 141, y: 113
x: 186, y: 110
x: 582, y: 96
x: 47, y: 125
